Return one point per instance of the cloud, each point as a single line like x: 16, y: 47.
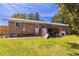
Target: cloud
x: 44, y: 9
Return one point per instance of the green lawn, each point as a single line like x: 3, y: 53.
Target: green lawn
x: 38, y: 46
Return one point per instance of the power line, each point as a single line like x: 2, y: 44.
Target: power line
x: 6, y: 9
x: 12, y: 7
x: 23, y: 6
x: 26, y: 7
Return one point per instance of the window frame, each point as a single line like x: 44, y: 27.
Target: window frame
x: 16, y: 24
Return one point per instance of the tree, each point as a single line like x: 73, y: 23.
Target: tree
x: 69, y: 14
x: 30, y: 16
x: 34, y: 16
x: 37, y: 16
x: 20, y: 15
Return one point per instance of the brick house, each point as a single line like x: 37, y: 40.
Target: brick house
x: 24, y: 27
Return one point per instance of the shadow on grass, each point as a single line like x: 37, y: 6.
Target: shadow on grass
x: 73, y: 54
x: 74, y: 46
x: 77, y: 35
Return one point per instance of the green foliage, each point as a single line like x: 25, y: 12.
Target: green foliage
x: 69, y: 14
x: 37, y: 46
x: 20, y: 15
x: 34, y: 16
x: 30, y: 16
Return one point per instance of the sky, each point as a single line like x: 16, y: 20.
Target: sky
x: 46, y: 10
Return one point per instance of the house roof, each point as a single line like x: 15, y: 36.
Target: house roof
x: 34, y: 21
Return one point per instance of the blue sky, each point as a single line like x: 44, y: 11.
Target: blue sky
x: 46, y: 10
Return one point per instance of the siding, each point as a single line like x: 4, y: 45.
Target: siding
x: 29, y: 28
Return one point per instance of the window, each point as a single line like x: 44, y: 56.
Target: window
x: 17, y: 24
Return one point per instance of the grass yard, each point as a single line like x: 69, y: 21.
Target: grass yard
x: 38, y: 46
